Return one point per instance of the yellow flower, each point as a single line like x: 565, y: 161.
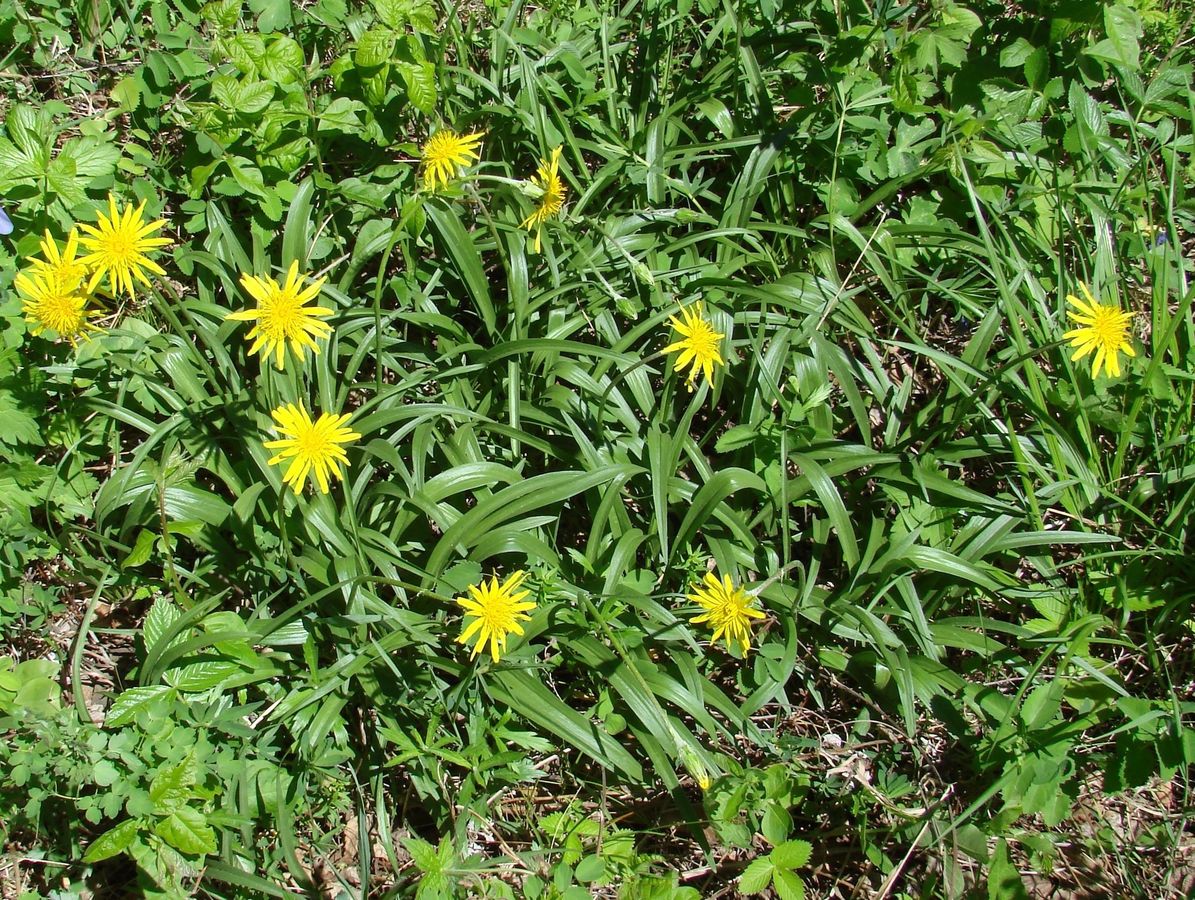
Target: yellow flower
x: 698, y: 344
x: 63, y: 265
x: 497, y: 610
x: 55, y: 304
x: 551, y: 200
x: 728, y: 610
x: 282, y: 315
x: 310, y: 445
x: 118, y: 247
x: 1102, y: 328
x: 446, y: 153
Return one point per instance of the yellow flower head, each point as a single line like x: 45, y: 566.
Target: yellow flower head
x: 496, y: 610
x: 54, y: 304
x: 62, y: 266
x: 310, y: 445
x: 118, y: 246
x: 282, y: 315
x: 446, y: 153
x: 728, y: 610
x: 551, y: 200
x: 1102, y: 328
x: 698, y: 344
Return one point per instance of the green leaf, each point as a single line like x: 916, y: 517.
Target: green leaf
x: 30, y: 128
x: 132, y: 701
x: 1121, y: 47
x: 776, y: 824
x: 788, y: 885
x: 832, y: 503
x: 375, y: 47
x: 1042, y: 705
x: 282, y: 62
x: 420, y: 79
x: 342, y: 115
x: 736, y: 437
x: 1004, y: 881
x: 423, y: 854
x: 113, y: 841
x: 17, y: 426
x: 377, y: 87
x: 141, y: 549
x: 253, y: 97
x: 203, y: 676
x: 62, y: 178
x: 273, y: 15
x: 187, y: 831
x: 172, y: 786
x: 710, y: 497
x: 161, y: 616
x: 247, y: 175
x: 517, y: 500
x: 91, y: 157
x: 247, y: 51
x: 105, y: 774
x: 792, y: 854
x: 590, y: 868
x: 16, y: 164
x: 392, y: 12
x: 530, y: 698
x: 756, y: 877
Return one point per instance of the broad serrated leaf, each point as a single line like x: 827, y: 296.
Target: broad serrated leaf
x: 282, y: 61
x: 375, y: 48
x: 392, y: 13
x: 254, y: 97
x: 247, y: 52
x: 756, y: 877
x: 132, y: 701
x: 91, y: 157
x: 776, y: 824
x: 423, y: 853
x: 161, y: 616
x: 792, y: 854
x: 17, y: 426
x: 30, y: 128
x: 421, y: 14
x: 225, y: 90
x: 420, y: 79
x: 202, y: 676
x: 63, y: 180
x: 788, y: 885
x: 16, y: 164
x: 1004, y: 881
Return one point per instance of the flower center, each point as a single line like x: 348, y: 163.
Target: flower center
x: 704, y: 339
x: 1107, y: 326
x: 280, y: 314
x: 121, y: 246
x: 312, y: 443
x: 497, y: 614
x: 61, y: 313
x: 442, y: 146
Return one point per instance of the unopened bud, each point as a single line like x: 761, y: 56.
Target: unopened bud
x: 643, y: 274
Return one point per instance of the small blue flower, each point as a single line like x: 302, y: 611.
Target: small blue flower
x: 5, y: 222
